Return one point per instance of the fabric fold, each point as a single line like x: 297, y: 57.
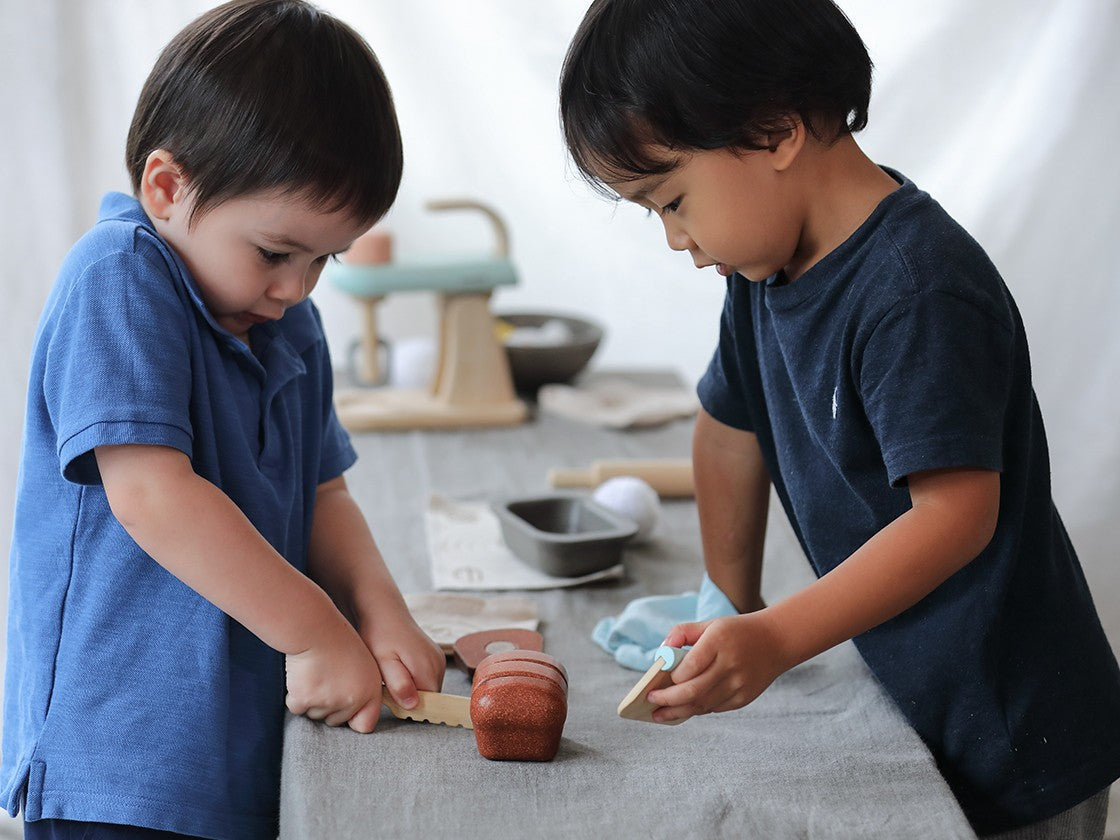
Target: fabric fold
x: 633, y: 636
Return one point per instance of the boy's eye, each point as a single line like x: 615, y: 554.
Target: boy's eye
x: 323, y: 259
x: 272, y: 257
x: 671, y: 207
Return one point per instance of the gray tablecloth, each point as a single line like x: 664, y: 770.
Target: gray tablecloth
x: 821, y: 754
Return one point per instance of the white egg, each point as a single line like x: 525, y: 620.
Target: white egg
x: 412, y: 362
x: 632, y: 498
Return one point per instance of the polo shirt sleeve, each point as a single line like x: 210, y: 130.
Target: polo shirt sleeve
x: 118, y: 366
x: 723, y: 390
x: 337, y: 453
x: 935, y: 377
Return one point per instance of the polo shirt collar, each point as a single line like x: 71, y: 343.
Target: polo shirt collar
x: 270, y: 355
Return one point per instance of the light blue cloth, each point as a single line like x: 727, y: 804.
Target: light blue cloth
x: 637, y: 632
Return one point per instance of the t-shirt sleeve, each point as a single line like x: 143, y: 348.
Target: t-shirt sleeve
x: 722, y: 388
x: 935, y: 376
x: 117, y: 369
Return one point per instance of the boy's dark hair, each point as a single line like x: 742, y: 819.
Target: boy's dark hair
x: 693, y: 75
x: 260, y: 95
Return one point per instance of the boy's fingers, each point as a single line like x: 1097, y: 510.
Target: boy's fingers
x: 426, y: 672
x: 365, y: 720
x: 433, y: 677
x: 668, y: 715
x: 686, y: 634
x: 689, y: 681
x: 399, y: 682
x: 338, y: 718
x: 683, y: 694
x: 304, y: 707
x: 696, y: 662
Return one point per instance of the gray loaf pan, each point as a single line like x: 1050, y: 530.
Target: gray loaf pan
x: 564, y: 534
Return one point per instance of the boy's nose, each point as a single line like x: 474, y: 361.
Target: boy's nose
x: 291, y: 287
x: 677, y: 238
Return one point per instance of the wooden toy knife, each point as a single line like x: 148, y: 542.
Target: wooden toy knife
x: 634, y: 705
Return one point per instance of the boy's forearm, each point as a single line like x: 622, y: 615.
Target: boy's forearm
x: 344, y: 559
x: 950, y: 523
x: 732, y: 497
x: 192, y: 529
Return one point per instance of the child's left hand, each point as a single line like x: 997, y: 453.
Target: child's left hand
x: 732, y: 661
x: 409, y: 660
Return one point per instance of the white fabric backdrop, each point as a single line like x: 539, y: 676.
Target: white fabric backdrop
x: 1005, y: 110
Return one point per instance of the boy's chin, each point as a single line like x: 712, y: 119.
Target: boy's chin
x: 752, y: 277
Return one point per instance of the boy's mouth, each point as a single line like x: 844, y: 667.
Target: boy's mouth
x: 252, y: 319
x: 723, y: 268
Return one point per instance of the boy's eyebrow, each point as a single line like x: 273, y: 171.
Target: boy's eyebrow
x: 284, y: 239
x: 643, y: 194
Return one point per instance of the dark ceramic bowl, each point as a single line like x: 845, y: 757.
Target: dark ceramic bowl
x: 536, y: 365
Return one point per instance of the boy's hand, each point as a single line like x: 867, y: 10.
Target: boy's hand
x: 732, y: 662
x: 408, y: 659
x: 336, y: 681
x: 344, y: 560
x: 341, y: 682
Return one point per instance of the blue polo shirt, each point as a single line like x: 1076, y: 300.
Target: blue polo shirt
x: 129, y: 698
x: 902, y: 351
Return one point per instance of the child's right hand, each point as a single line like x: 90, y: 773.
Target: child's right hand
x: 732, y: 661
x: 336, y: 681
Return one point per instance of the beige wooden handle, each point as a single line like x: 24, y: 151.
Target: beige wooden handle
x: 670, y: 477
x: 560, y: 477
x: 434, y: 707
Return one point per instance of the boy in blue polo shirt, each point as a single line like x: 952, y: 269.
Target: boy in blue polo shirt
x: 872, y: 368
x: 186, y: 553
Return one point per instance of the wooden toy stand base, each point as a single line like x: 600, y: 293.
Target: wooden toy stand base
x: 472, y: 384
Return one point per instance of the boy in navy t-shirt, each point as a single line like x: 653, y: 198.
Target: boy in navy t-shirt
x: 872, y: 368
x: 186, y: 554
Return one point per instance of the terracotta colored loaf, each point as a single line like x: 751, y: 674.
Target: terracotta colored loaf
x: 519, y: 702
x: 517, y: 707
x: 534, y: 662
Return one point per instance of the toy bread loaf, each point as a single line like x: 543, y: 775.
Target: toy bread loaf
x: 519, y: 704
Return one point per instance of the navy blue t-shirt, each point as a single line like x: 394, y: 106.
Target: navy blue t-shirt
x: 903, y: 351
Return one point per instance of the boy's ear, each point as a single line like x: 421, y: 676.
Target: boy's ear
x: 162, y: 185
x: 784, y: 146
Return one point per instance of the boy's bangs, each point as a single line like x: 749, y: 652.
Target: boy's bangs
x: 611, y: 145
x: 262, y: 97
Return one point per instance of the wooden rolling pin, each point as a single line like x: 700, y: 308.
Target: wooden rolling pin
x: 670, y: 477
